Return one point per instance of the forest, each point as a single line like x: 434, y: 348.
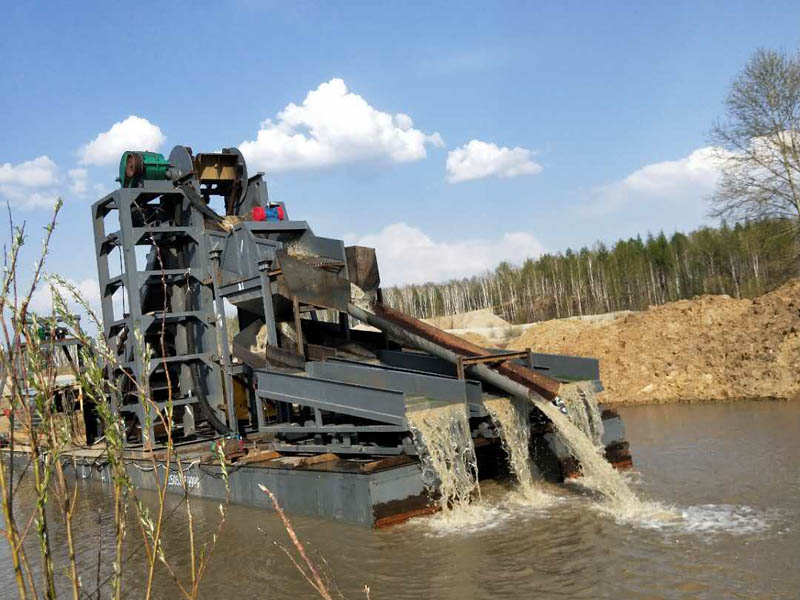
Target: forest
x: 745, y: 260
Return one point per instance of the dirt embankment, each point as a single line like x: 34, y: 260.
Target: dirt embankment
x: 704, y: 349
x: 481, y: 327
x: 475, y: 319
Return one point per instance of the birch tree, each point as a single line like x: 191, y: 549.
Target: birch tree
x: 759, y: 142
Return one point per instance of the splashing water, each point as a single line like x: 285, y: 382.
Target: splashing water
x: 583, y: 409
x: 449, y: 466
x: 619, y: 500
x: 597, y: 471
x: 583, y: 432
x: 512, y: 418
x: 442, y: 436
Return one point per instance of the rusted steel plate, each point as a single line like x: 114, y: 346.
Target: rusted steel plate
x: 541, y: 384
x: 389, y: 521
x: 272, y: 355
x: 311, y: 284
x: 362, y: 267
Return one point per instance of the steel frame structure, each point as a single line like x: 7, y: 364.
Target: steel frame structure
x: 163, y: 327
x: 180, y: 263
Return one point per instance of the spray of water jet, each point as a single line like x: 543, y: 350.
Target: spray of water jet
x: 512, y: 419
x: 597, y: 471
x: 444, y: 443
x: 583, y: 409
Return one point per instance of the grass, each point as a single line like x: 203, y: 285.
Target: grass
x: 39, y: 431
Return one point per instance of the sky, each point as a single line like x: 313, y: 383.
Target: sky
x: 448, y: 135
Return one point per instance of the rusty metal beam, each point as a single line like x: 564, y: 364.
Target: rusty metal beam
x: 546, y: 387
x: 498, y: 357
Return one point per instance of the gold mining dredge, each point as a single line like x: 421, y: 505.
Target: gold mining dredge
x: 311, y: 393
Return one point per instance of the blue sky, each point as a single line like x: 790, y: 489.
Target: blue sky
x: 563, y: 123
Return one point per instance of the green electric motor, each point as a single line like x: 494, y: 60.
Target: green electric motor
x: 135, y: 167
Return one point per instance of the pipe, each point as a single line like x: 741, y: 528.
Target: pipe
x: 483, y: 372
x: 539, y: 383
x: 579, y: 444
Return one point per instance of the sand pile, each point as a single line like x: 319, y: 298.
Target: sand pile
x: 707, y: 348
x: 481, y: 327
x: 475, y: 338
x: 475, y: 319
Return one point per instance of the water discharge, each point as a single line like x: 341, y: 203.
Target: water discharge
x: 512, y: 418
x: 583, y: 409
x: 597, y: 471
x: 444, y: 443
x: 619, y: 500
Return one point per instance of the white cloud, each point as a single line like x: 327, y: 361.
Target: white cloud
x: 693, y: 176
x: 700, y: 168
x: 29, y: 184
x: 478, y: 159
x: 407, y: 255
x: 134, y: 133
x: 39, y: 172
x: 79, y: 181
x: 89, y: 289
x: 26, y: 199
x: 334, y: 126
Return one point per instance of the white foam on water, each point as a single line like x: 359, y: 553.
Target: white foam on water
x: 705, y: 519
x: 729, y: 518
x: 476, y: 517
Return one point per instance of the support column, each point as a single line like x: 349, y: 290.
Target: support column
x: 266, y: 296
x: 298, y: 326
x: 222, y: 335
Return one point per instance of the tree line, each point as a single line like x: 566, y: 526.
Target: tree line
x: 758, y: 148
x: 744, y: 260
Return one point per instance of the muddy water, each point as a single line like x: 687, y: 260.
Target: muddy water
x: 442, y: 437
x: 731, y: 471
x: 513, y: 424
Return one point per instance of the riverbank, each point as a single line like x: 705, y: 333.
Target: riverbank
x: 706, y: 349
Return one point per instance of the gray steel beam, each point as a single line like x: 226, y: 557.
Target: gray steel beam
x: 558, y: 366
x: 385, y: 406
x: 312, y: 429
x: 417, y: 384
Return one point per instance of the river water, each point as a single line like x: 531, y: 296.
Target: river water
x: 731, y: 471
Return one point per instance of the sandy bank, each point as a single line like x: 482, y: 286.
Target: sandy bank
x: 709, y: 348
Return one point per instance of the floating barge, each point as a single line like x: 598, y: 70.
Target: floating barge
x: 310, y: 397
x: 369, y: 491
